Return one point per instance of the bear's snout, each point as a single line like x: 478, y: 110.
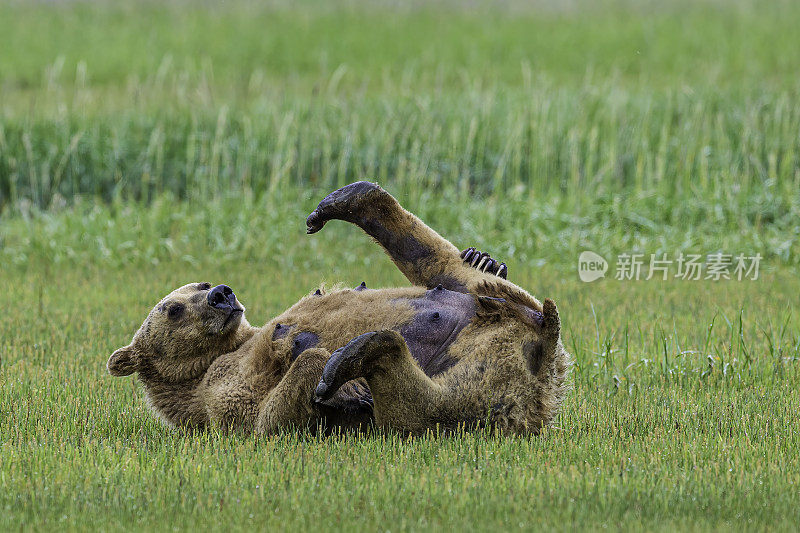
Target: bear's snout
x: 221, y: 297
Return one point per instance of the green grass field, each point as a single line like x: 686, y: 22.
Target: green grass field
x: 145, y: 146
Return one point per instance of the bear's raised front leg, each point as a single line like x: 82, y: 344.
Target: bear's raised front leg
x: 405, y: 399
x: 424, y: 257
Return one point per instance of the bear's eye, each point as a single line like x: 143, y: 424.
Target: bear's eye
x: 175, y: 311
x: 203, y: 286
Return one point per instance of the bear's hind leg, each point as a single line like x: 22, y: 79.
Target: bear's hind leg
x: 426, y: 258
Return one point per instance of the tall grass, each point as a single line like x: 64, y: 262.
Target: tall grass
x: 598, y: 139
x: 600, y: 166
x: 681, y: 101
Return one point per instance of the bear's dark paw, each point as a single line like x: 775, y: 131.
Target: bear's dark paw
x: 483, y: 262
x: 341, y: 204
x: 359, y: 358
x: 345, y: 364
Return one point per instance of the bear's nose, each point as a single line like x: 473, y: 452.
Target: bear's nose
x: 221, y: 296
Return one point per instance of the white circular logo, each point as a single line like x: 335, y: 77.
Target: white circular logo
x: 591, y: 266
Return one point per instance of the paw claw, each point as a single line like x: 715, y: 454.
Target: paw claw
x: 502, y: 271
x: 476, y: 258
x: 483, y: 262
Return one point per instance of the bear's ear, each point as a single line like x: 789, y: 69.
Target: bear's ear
x: 123, y: 362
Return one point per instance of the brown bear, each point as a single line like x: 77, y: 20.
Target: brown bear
x: 461, y: 348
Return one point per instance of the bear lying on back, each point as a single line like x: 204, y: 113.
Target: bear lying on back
x: 462, y: 347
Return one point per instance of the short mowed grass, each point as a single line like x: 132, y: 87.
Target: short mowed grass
x: 148, y: 145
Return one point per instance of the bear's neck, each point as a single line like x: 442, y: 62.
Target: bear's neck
x: 243, y: 334
x: 182, y: 404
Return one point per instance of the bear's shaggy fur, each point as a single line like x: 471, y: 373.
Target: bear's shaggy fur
x: 460, y: 348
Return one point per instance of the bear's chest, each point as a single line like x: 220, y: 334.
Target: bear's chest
x: 232, y: 394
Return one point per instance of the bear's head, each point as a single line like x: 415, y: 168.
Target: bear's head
x: 183, y: 334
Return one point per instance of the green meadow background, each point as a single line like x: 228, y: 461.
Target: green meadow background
x: 148, y: 144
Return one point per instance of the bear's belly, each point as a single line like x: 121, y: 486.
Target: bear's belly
x: 440, y: 316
